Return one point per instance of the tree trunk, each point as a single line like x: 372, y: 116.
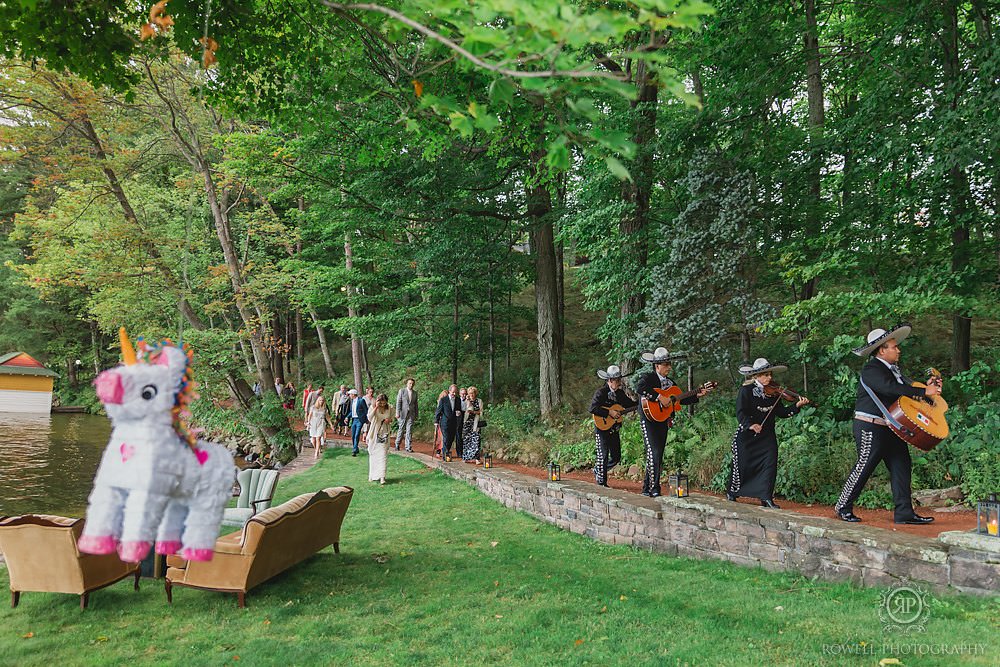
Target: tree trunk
x: 224, y: 234
x: 323, y: 348
x: 356, y: 361
x: 546, y: 296
x: 95, y: 348
x: 636, y: 196
x: 959, y: 210
x: 492, y: 350
x: 299, y: 358
x: 454, y: 342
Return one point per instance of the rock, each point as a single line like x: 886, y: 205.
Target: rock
x: 953, y: 508
x: 939, y: 497
x: 633, y: 472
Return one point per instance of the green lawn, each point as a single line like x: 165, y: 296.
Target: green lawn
x: 432, y: 572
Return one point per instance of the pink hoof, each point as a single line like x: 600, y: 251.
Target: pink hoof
x: 197, y: 554
x: 96, y: 544
x: 168, y: 548
x: 133, y: 552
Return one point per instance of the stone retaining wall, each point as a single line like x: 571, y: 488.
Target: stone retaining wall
x: 706, y: 527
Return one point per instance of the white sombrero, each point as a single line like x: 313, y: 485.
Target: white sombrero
x: 661, y: 356
x: 613, y: 373
x: 879, y: 337
x: 762, y: 365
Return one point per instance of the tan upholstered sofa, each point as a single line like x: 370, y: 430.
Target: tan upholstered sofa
x: 270, y: 543
x: 41, y: 556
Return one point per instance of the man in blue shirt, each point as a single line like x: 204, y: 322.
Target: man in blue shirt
x: 358, y: 414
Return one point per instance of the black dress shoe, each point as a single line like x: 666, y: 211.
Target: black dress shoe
x: 767, y: 502
x: 654, y: 494
x: 731, y: 496
x: 917, y: 520
x: 850, y: 517
x: 646, y: 493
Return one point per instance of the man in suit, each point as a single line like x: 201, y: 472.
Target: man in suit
x: 654, y: 433
x: 406, y: 413
x: 608, y: 443
x: 449, y: 417
x: 358, y: 415
x: 874, y: 440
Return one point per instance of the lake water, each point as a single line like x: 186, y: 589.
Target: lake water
x: 47, y: 462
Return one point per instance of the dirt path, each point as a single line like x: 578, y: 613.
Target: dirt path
x: 943, y: 521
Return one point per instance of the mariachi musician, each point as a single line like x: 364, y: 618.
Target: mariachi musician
x: 654, y: 433
x: 755, y: 445
x: 608, y: 443
x: 874, y: 439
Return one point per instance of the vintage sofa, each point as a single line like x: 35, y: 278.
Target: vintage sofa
x: 42, y: 556
x: 270, y: 543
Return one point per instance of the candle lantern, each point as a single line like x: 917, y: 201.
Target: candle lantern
x: 679, y: 483
x: 447, y: 458
x: 988, y: 516
x: 487, y: 461
x: 555, y: 473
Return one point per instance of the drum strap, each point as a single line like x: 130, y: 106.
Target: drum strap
x: 885, y: 412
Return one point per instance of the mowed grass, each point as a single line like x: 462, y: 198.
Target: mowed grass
x: 432, y: 572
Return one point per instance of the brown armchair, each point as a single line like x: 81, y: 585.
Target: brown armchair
x: 41, y: 556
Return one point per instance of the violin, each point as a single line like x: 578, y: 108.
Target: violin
x: 784, y: 393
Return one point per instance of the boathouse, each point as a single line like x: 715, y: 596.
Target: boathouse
x: 25, y: 384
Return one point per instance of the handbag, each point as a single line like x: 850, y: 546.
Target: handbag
x: 482, y: 424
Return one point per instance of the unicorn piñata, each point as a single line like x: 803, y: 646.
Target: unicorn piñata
x: 156, y: 480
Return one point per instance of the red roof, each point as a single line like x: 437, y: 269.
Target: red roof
x: 20, y: 363
x: 23, y: 360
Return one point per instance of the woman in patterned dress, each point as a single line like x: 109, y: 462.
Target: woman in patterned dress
x: 470, y: 426
x: 755, y: 446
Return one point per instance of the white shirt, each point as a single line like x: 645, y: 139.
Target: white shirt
x: 894, y: 368
x: 354, y: 407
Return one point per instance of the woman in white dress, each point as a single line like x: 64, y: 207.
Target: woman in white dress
x: 377, y: 439
x: 317, y: 421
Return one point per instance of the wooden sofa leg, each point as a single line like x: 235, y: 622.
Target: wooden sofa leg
x: 84, y: 599
x: 241, y: 600
x: 170, y: 593
x: 15, y: 597
x: 138, y: 571
x: 336, y: 547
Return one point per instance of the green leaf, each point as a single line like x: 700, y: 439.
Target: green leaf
x: 617, y: 168
x: 502, y: 92
x: 558, y: 155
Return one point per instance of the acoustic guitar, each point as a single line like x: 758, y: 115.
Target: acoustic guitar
x: 673, y: 397
x: 605, y: 423
x: 922, y: 421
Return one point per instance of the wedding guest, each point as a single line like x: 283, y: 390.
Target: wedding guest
x: 317, y: 421
x: 377, y: 439
x: 471, y: 425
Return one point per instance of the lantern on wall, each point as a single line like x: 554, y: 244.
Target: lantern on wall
x: 988, y: 516
x: 679, y: 482
x: 555, y: 473
x: 447, y: 457
x: 487, y: 461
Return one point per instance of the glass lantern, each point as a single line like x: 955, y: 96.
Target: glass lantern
x: 487, y: 461
x: 988, y: 516
x: 555, y: 472
x: 679, y: 483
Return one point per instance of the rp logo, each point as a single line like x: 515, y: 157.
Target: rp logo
x: 904, y: 609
